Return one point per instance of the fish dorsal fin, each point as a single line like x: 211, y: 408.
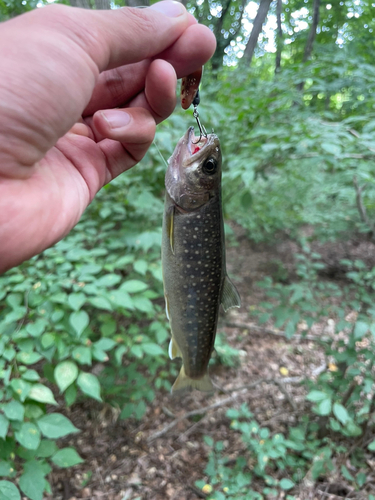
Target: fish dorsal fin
x: 174, y: 351
x: 169, y: 225
x: 229, y: 296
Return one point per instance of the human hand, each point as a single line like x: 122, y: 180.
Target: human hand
x: 63, y: 71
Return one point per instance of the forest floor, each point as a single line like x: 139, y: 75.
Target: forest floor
x: 161, y: 456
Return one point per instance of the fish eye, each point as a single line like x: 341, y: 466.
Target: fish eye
x: 209, y: 166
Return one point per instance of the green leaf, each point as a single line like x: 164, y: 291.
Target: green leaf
x: 143, y: 304
x: 66, y: 457
x: 316, y: 396
x: 89, y: 385
x: 331, y: 148
x: 137, y: 351
x: 121, y: 299
x: 140, y: 266
x: 36, y: 329
x: 286, y: 484
x: 76, y: 300
x: 353, y: 429
x: 324, y: 407
x: 31, y: 375
x: 120, y: 351
x: 70, y: 395
x: 28, y: 436
x: 55, y: 425
x: 41, y: 393
x: 46, y: 448
x: 28, y: 358
x: 82, y: 355
x: 108, y: 280
x: 360, y: 329
x: 152, y: 349
x: 6, y: 469
x: 8, y: 491
x: 21, y: 388
x: 105, y: 344
x: 341, y: 413
x: 346, y: 473
x: 100, y: 303
x: 4, y: 424
x: 14, y: 410
x: 371, y: 446
x: 15, y: 315
x: 65, y: 374
x: 48, y: 340
x: 133, y: 286
x: 79, y: 321
x: 32, y: 482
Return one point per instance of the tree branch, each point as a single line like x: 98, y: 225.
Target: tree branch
x: 223, y: 402
x: 361, y: 208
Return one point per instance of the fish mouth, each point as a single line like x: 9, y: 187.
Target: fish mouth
x: 195, y: 143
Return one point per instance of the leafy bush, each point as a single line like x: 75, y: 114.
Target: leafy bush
x: 271, y: 459
x: 94, y: 298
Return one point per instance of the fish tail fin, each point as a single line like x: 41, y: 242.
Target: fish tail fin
x: 183, y: 382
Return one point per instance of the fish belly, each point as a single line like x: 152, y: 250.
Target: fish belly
x: 193, y: 278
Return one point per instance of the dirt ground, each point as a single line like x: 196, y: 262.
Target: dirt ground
x: 141, y: 460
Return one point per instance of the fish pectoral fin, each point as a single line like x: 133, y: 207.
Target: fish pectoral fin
x: 173, y: 350
x: 166, y: 306
x: 229, y: 296
x: 169, y: 218
x: 184, y: 383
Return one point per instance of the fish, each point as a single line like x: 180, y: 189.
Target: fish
x: 193, y: 257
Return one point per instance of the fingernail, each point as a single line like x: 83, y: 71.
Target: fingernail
x: 170, y: 9
x: 116, y: 118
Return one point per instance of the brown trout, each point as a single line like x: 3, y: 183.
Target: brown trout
x: 193, y: 256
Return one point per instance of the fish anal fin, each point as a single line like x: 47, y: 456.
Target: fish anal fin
x: 229, y: 296
x: 169, y: 218
x: 173, y: 350
x: 185, y: 383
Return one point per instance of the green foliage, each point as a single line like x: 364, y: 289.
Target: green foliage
x: 279, y: 462
x: 88, y: 300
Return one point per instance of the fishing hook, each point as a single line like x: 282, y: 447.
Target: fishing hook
x: 202, y: 130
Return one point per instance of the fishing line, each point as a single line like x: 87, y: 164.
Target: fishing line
x: 162, y: 157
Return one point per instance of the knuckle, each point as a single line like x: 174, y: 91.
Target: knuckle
x: 139, y: 23
x: 114, y: 82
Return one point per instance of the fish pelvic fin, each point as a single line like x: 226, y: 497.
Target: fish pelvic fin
x: 184, y: 383
x: 173, y: 350
x: 229, y: 296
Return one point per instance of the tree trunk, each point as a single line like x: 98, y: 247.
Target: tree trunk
x: 102, y: 4
x: 263, y: 9
x: 279, y: 37
x: 83, y: 4
x: 312, y: 33
x: 311, y: 37
x: 137, y: 3
x: 233, y: 31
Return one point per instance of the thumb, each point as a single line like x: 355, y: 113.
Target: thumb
x: 51, y: 58
x: 131, y: 35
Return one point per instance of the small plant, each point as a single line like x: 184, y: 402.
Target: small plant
x: 272, y: 463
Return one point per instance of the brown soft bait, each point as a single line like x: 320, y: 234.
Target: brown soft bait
x: 189, y: 88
